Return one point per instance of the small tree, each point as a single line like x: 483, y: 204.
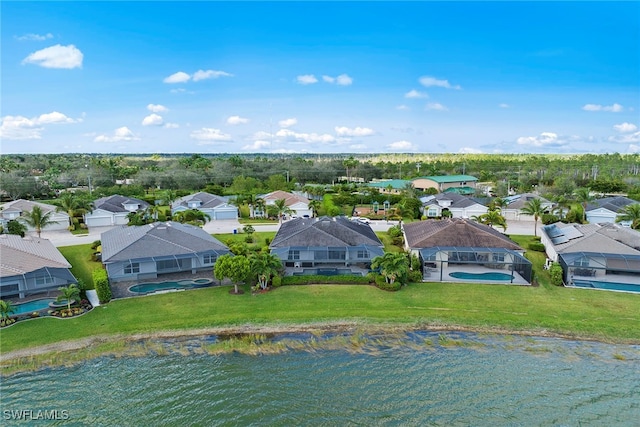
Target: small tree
x: 282, y: 208
x: 6, y: 309
x: 236, y: 268
x: 393, y: 266
x: 69, y: 293
x: 17, y: 228
x: 263, y: 266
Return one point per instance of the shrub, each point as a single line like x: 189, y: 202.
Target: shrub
x: 276, y: 281
x: 267, y: 241
x: 317, y: 279
x: 415, y: 276
x: 101, y: 281
x: 549, y: 219
x: 249, y: 238
x: 95, y: 244
x: 392, y: 287
x: 556, y: 274
x: 536, y: 246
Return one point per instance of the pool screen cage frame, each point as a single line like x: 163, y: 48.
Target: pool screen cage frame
x: 322, y: 255
x: 573, y: 264
x: 432, y: 260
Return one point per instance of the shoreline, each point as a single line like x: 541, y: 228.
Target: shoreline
x: 84, y: 343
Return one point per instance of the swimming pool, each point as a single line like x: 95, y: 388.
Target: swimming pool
x: 31, y: 306
x: 146, y: 288
x: 480, y: 276
x: 611, y: 286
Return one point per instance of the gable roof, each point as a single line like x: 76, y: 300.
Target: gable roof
x: 22, y: 205
x: 519, y: 201
x: 455, y: 232
x: 603, y: 238
x: 160, y: 239
x: 442, y: 179
x: 289, y: 198
x: 324, y: 232
x: 24, y: 255
x: 207, y: 200
x: 116, y: 203
x: 614, y: 204
x: 457, y: 200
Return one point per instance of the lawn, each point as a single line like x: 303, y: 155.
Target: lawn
x: 79, y: 256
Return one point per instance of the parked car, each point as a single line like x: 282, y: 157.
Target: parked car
x: 361, y: 219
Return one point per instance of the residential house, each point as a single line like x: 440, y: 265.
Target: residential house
x: 607, y: 209
x: 462, y: 184
x: 216, y: 207
x: 147, y: 251
x: 326, y: 245
x: 460, y: 250
x: 515, y: 204
x: 113, y: 210
x: 594, y: 254
x: 31, y: 266
x: 455, y: 205
x: 298, y: 204
x: 389, y: 186
x: 14, y: 210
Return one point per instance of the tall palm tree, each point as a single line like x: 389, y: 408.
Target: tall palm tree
x: 264, y: 265
x: 282, y: 208
x: 315, y: 206
x: 491, y: 218
x: 630, y: 213
x: 259, y: 205
x: 393, y: 266
x: 534, y: 208
x: 498, y: 203
x: 69, y: 293
x: 583, y: 196
x: 72, y: 205
x: 562, y: 205
x: 37, y: 219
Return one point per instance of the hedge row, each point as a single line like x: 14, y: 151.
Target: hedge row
x: 101, y: 282
x: 317, y: 279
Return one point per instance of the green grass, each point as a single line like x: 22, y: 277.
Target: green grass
x: 574, y: 312
x: 79, y: 256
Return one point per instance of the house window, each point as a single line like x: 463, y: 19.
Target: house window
x: 209, y: 258
x: 168, y: 264
x: 432, y: 212
x: 498, y: 257
x: 334, y: 254
x: 363, y: 254
x: 132, y: 268
x: 43, y: 280
x: 581, y: 262
x: 294, y: 254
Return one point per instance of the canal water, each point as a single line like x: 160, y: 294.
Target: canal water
x: 417, y: 379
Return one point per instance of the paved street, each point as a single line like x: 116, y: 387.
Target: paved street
x: 64, y: 238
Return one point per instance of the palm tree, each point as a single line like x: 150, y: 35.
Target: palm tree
x: 6, y: 308
x: 393, y: 265
x: 583, y: 196
x: 192, y: 216
x: 264, y: 265
x: 282, y: 208
x: 498, y: 203
x: 562, y: 205
x: 491, y: 218
x: 72, y: 205
x: 168, y: 197
x: 534, y: 208
x: 315, y: 206
x: 37, y: 219
x: 630, y: 213
x: 69, y: 293
x: 259, y: 205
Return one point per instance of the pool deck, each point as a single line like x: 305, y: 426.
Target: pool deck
x: 474, y: 269
x: 121, y: 289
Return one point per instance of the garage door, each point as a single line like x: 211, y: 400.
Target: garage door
x: 225, y: 215
x: 596, y: 219
x: 98, y: 221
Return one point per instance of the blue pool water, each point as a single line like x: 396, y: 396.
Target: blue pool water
x: 612, y: 286
x: 31, y: 306
x: 480, y: 276
x: 145, y: 288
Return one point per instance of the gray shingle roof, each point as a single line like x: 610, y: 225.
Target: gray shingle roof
x: 455, y: 232
x: 207, y: 200
x: 457, y: 201
x: 116, y: 203
x: 22, y: 205
x: 324, y: 232
x: 614, y: 204
x: 22, y: 255
x: 157, y: 240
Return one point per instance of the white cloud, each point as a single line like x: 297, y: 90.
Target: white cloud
x: 615, y: 108
x: 436, y: 106
x: 287, y: 123
x: 545, y: 139
x: 209, y: 74
x: 261, y: 135
x: 171, y: 126
x: 121, y: 134
x: 344, y: 80
x: 179, y: 77
x: 415, y: 94
x: 157, y: 108
x: 469, y: 150
x: 19, y: 127
x: 403, y: 107
x: 305, y: 137
x: 209, y: 135
x: 34, y: 37
x: 237, y: 120
x: 257, y: 145
x: 57, y: 56
x: 152, y: 120
x: 428, y: 81
x: 328, y: 79
x: 630, y: 137
x: 504, y: 105
x: 625, y: 127
x: 401, y: 146
x: 357, y: 131
x: 307, y: 79
x: 634, y: 148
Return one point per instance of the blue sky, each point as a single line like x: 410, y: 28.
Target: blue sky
x: 320, y: 77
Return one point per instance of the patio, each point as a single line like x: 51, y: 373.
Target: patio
x: 443, y: 274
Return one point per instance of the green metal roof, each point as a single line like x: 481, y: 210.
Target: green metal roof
x: 398, y: 184
x: 449, y: 178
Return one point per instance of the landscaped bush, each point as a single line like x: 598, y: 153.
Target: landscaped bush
x: 382, y: 284
x: 549, y: 219
x: 101, y: 282
x: 414, y: 276
x: 95, y: 244
x: 535, y: 246
x: 556, y: 274
x: 276, y: 281
x: 317, y: 279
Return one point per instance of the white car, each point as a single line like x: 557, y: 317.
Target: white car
x: 361, y: 219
